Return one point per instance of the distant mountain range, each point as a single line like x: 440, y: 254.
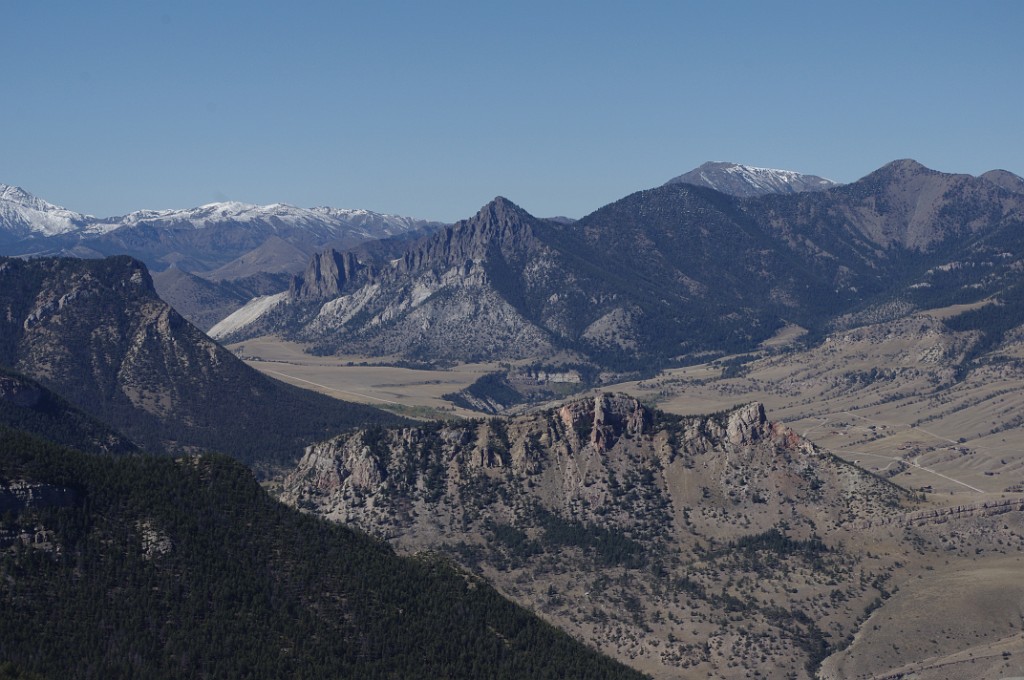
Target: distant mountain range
x: 715, y: 260
x: 196, y: 239
x: 219, y: 242
x: 661, y: 275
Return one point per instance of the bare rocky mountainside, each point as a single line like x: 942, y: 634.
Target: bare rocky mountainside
x: 718, y: 545
x: 662, y: 276
x: 95, y: 332
x: 1006, y: 180
x: 506, y: 285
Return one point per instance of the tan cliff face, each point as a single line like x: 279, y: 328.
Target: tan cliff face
x: 577, y: 510
x: 574, y: 457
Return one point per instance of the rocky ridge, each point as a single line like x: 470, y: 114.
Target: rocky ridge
x: 438, y: 299
x: 604, y: 501
x: 988, y: 508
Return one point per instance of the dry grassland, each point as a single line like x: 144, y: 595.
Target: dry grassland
x: 368, y: 380
x: 963, y: 622
x: 884, y: 397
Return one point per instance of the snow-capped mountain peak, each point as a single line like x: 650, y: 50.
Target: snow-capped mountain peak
x: 748, y: 180
x: 17, y: 195
x: 24, y: 215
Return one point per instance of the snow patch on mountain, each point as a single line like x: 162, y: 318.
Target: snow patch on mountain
x: 772, y: 180
x: 25, y: 216
x: 279, y: 214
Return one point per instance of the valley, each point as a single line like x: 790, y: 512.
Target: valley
x: 883, y: 396
x: 370, y: 380
x: 959, y: 620
x: 756, y: 425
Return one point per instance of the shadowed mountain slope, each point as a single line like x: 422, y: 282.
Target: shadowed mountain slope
x: 27, y: 406
x: 96, y: 332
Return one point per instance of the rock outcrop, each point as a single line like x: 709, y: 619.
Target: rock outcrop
x: 18, y: 494
x: 989, y: 508
x: 328, y: 275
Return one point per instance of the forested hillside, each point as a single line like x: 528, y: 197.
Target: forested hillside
x: 168, y: 568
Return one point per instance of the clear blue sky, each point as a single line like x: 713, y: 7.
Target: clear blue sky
x: 431, y: 109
